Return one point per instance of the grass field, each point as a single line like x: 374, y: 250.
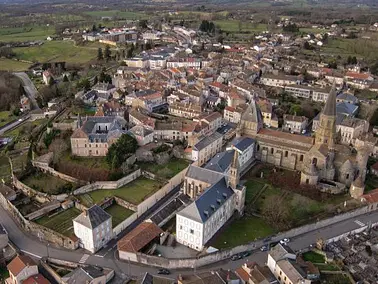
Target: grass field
x: 313, y: 257
x: 167, y: 171
x: 19, y: 161
x: 242, y: 231
x: 30, y: 33
x: 61, y: 222
x: 127, y: 15
x: 56, y: 51
x: 5, y: 116
x: 134, y: 192
x: 351, y: 47
x: 5, y: 170
x: 89, y: 162
x: 327, y: 267
x: 46, y: 183
x: 233, y: 26
x: 118, y: 213
x: 26, y: 128
x: 13, y: 65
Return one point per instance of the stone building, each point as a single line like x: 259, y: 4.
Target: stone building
x: 321, y: 160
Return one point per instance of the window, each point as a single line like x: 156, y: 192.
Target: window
x: 286, y: 154
x: 347, y: 176
x: 192, y: 231
x: 258, y: 147
x: 307, y: 181
x: 271, y: 150
x: 301, y: 158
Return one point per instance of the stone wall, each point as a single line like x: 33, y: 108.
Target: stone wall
x: 224, y: 254
x: 65, y: 126
x: 172, y: 183
x: 125, y: 204
x: 38, y: 230
x: 108, y: 184
x: 43, y: 211
x: 124, y: 224
x: 52, y: 171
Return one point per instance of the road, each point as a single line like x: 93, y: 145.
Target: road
x: 14, y: 124
x: 30, y: 90
x: 32, y: 246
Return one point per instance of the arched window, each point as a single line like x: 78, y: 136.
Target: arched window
x: 272, y: 150
x: 258, y: 148
x: 301, y: 158
x: 314, y: 161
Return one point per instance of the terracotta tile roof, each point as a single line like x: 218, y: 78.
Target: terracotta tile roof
x: 36, y: 279
x: 361, y: 76
x: 242, y: 274
x: 371, y: 197
x: 286, y: 136
x: 139, y: 237
x: 229, y: 108
x: 19, y: 263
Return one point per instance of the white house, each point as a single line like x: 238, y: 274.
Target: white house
x: 246, y: 150
x: 21, y: 268
x: 94, y: 228
x: 294, y: 123
x: 277, y: 253
x: 205, y: 149
x: 142, y: 135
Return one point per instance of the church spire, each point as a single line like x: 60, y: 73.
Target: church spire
x: 330, y: 106
x: 233, y: 176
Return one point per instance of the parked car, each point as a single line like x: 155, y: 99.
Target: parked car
x: 285, y: 241
x: 164, y: 271
x: 264, y: 248
x: 245, y: 254
x: 236, y: 257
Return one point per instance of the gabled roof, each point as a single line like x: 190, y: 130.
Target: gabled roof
x: 220, y: 162
x: 203, y: 174
x: 19, y: 263
x: 138, y: 238
x: 371, y: 197
x: 242, y: 143
x: 207, y: 141
x: 280, y: 251
x: 209, y: 202
x: 93, y: 217
x: 36, y: 279
x: 252, y: 113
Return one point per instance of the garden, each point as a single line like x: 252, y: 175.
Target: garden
x: 118, y: 213
x: 134, y: 192
x: 60, y: 222
x: 166, y: 171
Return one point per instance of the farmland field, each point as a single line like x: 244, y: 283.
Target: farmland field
x: 127, y: 15
x: 13, y: 65
x: 30, y: 33
x: 56, y: 51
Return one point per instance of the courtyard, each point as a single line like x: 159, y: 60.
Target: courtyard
x: 118, y: 213
x: 60, y: 222
x: 167, y: 171
x: 134, y: 192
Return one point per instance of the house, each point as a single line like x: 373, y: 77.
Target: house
x: 216, y: 197
x: 138, y: 239
x: 146, y: 99
x: 96, y: 134
x: 25, y: 103
x: 93, y: 227
x: 351, y: 128
x: 36, y: 279
x: 20, y: 269
x: 88, y: 274
x: 294, y: 123
x: 288, y: 271
x: 138, y: 118
x: 252, y: 273
x: 246, y: 151
x: 47, y: 77
x: 185, y: 109
x: 277, y: 253
x: 142, y: 135
x: 3, y: 238
x: 233, y: 114
x: 211, y: 277
x: 206, y: 148
x: 112, y: 108
x: 151, y: 279
x: 358, y: 80
x: 374, y: 169
x: 234, y: 99
x: 269, y: 117
x: 104, y: 91
x: 213, y: 121
x: 279, y: 80
x: 347, y: 98
x: 371, y: 198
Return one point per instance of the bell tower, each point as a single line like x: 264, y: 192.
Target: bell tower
x: 233, y: 176
x: 326, y: 132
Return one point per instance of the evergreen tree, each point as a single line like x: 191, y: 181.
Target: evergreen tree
x: 100, y: 55
x: 65, y: 78
x: 107, y: 53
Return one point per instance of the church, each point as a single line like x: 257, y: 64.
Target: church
x: 322, y: 161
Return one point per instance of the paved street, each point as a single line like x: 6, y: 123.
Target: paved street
x: 32, y: 246
x: 14, y: 124
x: 30, y: 89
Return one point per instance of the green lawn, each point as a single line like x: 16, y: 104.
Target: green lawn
x: 47, y: 183
x: 253, y: 188
x: 242, y: 231
x: 61, y: 222
x: 351, y: 47
x: 4, y: 274
x: 118, y: 213
x: 89, y: 162
x: 327, y: 267
x: 5, y: 170
x: 56, y: 51
x: 5, y: 116
x: 233, y: 26
x: 30, y: 33
x: 126, y: 15
x: 13, y: 65
x: 167, y: 171
x: 313, y: 257
x: 134, y: 192
x: 335, y: 278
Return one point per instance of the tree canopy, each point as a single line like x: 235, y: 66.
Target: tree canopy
x: 119, y: 151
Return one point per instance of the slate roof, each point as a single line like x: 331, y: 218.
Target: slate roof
x: 138, y: 238
x: 2, y: 230
x: 83, y: 274
x: 207, y: 141
x: 279, y: 251
x: 151, y: 279
x: 346, y: 108
x: 220, y: 162
x: 252, y: 113
x: 209, y: 202
x: 242, y: 143
x: 203, y: 174
x: 330, y: 106
x: 93, y: 217
x: 347, y: 97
